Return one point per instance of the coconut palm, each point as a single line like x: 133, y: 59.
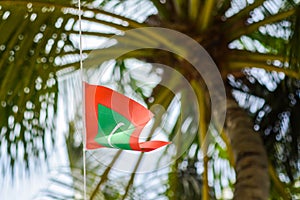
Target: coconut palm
x: 254, y: 45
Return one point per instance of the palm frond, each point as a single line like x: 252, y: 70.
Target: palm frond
x: 28, y: 81
x: 38, y: 42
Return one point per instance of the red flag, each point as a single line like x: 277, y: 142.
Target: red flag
x: 115, y: 121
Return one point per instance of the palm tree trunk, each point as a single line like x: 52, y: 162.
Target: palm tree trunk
x: 251, y: 162
x: 250, y: 157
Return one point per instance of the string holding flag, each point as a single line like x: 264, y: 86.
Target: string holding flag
x: 83, y: 93
x: 115, y: 121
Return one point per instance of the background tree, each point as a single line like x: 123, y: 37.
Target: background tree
x: 254, y: 45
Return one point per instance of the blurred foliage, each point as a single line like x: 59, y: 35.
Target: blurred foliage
x: 255, y: 45
x: 28, y: 80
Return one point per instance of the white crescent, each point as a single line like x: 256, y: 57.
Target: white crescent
x: 112, y: 132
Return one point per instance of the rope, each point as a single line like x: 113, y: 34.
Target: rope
x: 83, y: 103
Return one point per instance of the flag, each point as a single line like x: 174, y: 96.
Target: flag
x: 115, y: 121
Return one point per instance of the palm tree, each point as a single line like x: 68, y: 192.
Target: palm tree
x: 245, y: 41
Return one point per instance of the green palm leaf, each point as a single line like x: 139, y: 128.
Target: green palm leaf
x: 39, y: 42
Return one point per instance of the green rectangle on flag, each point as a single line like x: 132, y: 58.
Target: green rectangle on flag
x: 114, y: 130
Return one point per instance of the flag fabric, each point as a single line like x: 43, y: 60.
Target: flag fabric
x: 115, y: 121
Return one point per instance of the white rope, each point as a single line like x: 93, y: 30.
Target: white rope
x: 83, y: 102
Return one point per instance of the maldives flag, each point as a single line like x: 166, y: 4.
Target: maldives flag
x: 115, y: 121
